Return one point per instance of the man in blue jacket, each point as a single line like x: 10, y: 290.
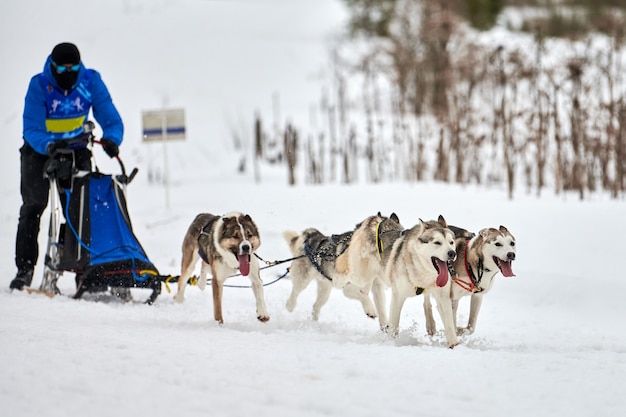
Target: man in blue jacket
x: 57, y: 105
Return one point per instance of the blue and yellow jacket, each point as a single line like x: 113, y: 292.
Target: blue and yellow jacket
x: 51, y: 113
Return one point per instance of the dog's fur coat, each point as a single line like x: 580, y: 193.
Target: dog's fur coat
x: 480, y: 258
x: 226, y: 245
x: 353, y: 261
x: 418, y: 264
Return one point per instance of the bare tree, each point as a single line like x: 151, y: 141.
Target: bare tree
x: 291, y: 152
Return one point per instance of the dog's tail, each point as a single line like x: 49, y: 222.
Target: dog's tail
x: 291, y: 237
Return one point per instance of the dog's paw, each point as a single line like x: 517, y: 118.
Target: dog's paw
x: 263, y: 318
x: 392, y: 331
x: 179, y: 298
x: 464, y: 331
x: 431, y: 329
x: 291, y: 305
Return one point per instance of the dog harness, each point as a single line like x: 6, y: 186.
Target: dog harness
x: 316, y: 265
x: 474, y: 284
x: 326, y: 251
x: 201, y: 252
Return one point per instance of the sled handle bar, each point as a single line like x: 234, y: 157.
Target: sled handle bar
x: 123, y: 178
x: 71, y: 147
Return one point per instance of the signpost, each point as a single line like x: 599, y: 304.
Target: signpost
x: 164, y: 125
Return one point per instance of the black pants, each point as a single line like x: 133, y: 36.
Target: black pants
x: 35, y: 188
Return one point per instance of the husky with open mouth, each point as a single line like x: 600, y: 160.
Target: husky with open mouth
x: 480, y: 259
x: 418, y: 263
x: 225, y: 245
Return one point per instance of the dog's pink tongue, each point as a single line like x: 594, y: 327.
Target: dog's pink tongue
x: 244, y: 264
x: 442, y: 278
x: 507, y: 269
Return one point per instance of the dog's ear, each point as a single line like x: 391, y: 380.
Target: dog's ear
x: 229, y: 222
x: 442, y: 221
x: 248, y: 219
x: 504, y: 229
x: 459, y: 232
x: 395, y: 218
x: 379, y: 214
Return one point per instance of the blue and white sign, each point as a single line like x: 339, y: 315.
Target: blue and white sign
x: 163, y: 125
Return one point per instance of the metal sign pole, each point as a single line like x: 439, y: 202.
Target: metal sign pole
x: 164, y: 125
x: 166, y: 173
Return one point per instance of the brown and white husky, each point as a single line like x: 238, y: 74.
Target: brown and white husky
x: 353, y: 261
x: 225, y: 245
x: 480, y: 258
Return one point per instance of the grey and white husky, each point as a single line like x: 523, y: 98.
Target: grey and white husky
x: 418, y: 263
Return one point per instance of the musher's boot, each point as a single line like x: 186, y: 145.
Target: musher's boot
x: 23, y: 279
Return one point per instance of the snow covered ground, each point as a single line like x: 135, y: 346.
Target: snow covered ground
x: 548, y: 341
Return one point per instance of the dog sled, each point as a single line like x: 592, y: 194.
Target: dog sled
x: 90, y: 232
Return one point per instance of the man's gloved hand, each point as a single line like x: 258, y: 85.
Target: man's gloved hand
x: 55, y: 146
x: 110, y: 147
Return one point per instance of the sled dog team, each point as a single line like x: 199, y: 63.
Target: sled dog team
x: 432, y: 259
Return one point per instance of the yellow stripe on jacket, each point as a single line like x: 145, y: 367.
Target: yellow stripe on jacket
x: 64, y: 125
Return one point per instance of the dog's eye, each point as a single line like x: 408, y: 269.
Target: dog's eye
x: 438, y: 243
x: 498, y: 244
x: 512, y: 243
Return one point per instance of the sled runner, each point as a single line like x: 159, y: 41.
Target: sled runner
x: 90, y: 232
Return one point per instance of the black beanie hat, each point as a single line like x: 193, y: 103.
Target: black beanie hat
x: 65, y: 53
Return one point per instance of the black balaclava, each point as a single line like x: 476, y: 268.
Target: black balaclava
x: 64, y: 54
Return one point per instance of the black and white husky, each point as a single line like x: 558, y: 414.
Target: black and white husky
x: 480, y: 259
x: 225, y: 245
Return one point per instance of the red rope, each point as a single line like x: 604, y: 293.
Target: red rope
x: 467, y: 286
